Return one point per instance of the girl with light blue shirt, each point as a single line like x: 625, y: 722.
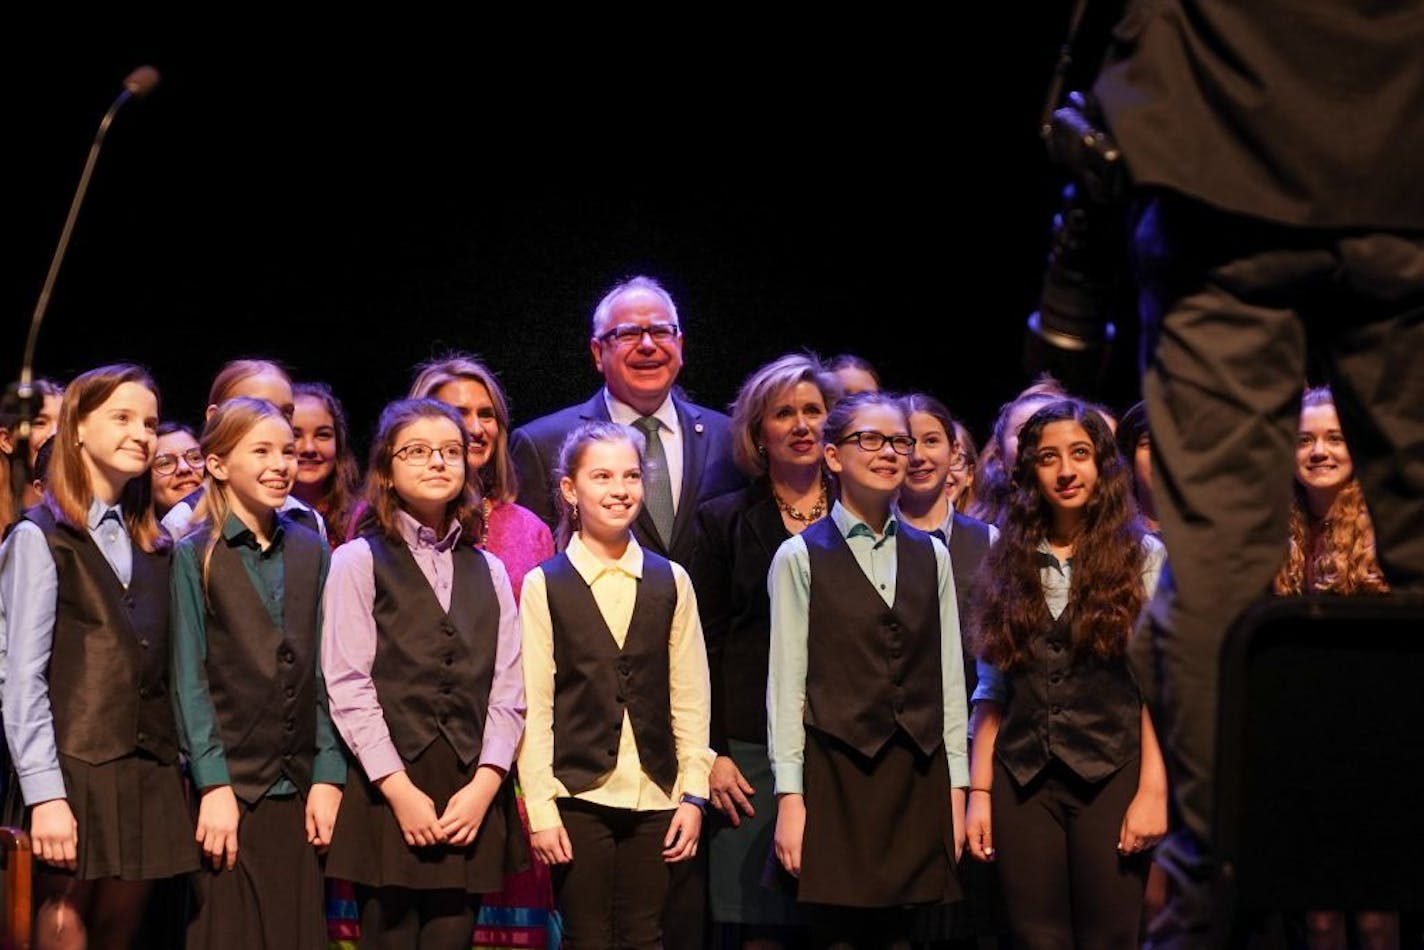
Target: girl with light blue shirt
x: 85, y: 583
x: 865, y: 700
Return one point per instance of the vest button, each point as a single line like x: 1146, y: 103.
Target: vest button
x: 290, y: 726
x: 446, y: 688
x: 142, y: 736
x: 612, y: 753
x: 895, y: 654
x: 893, y: 625
x: 444, y: 718
x: 1056, y: 709
x: 449, y: 630
x: 143, y: 642
x: 1055, y: 679
x: 290, y: 692
x: 1056, y: 646
x: 619, y: 698
x: 449, y: 659
x: 899, y: 707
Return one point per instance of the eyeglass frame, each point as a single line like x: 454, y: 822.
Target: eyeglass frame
x: 671, y: 330
x: 894, y: 441
x: 455, y: 455
x: 187, y: 455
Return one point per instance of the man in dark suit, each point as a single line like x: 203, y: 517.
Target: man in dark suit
x: 1276, y: 148
x: 637, y: 347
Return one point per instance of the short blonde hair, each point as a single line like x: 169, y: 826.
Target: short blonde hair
x: 756, y: 394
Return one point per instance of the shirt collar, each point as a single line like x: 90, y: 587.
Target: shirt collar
x: 625, y: 415
x: 850, y: 526
x: 97, y: 511
x: 1046, y: 557
x: 418, y: 536
x: 944, y: 527
x: 237, y: 534
x: 591, y: 567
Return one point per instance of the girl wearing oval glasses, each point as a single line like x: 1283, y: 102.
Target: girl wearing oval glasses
x: 421, y: 657
x: 865, y: 700
x: 177, y: 469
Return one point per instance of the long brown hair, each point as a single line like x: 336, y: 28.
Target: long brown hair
x: 498, y: 479
x: 69, y: 493
x: 343, y: 485
x: 1344, y: 560
x: 383, y: 501
x: 1106, y: 594
x: 224, y: 430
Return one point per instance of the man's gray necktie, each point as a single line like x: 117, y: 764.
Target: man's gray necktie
x: 657, y: 486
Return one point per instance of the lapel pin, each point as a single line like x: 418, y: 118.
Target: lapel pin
x: 697, y: 428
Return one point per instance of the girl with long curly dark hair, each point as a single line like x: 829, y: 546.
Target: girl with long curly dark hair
x: 1068, y: 786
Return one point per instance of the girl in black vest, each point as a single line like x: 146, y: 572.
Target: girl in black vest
x: 865, y: 700
x: 421, y: 655
x: 615, y: 763
x: 84, y: 580
x: 1069, y: 788
x: 252, y: 717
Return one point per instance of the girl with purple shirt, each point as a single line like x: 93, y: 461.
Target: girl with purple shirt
x: 422, y: 666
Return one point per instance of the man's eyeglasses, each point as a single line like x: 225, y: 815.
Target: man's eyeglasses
x: 167, y: 463
x: 872, y: 441
x: 418, y: 453
x: 631, y: 334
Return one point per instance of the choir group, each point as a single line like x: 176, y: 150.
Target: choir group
x: 636, y: 674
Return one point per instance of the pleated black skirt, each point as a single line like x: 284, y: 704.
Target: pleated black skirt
x: 367, y: 846
x: 135, y: 822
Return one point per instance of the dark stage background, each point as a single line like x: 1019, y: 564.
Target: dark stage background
x: 351, y: 214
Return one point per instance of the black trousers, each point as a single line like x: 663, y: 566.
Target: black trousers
x: 1064, y: 884
x: 1233, y: 308
x: 612, y: 894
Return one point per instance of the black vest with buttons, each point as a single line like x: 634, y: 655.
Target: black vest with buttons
x: 108, y: 670
x: 261, y: 677
x: 433, y: 668
x: 1083, y: 711
x: 872, y: 669
x: 595, y: 681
